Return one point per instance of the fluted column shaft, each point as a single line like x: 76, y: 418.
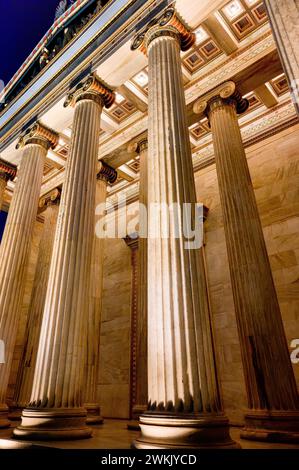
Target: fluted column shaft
x: 91, y: 404
x: 270, y: 383
x: 14, y: 251
x: 174, y: 280
x: 184, y: 403
x: 55, y: 409
x: 284, y: 19
x: 27, y: 363
x: 57, y: 381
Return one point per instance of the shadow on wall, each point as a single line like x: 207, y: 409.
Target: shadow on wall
x: 3, y: 217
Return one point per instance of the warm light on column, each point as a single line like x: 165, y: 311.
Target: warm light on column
x: 184, y: 407
x: 15, y: 245
x: 273, y: 402
x: 56, y: 407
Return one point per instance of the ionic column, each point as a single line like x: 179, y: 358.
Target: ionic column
x: 15, y: 244
x: 141, y: 393
x: 284, y: 19
x: 7, y: 172
x: 184, y: 407
x: 271, y: 389
x: 105, y: 175
x: 55, y: 410
x: 49, y: 203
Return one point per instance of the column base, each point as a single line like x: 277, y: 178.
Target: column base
x: 4, y: 421
x: 137, y: 411
x: 53, y: 424
x: 274, y: 426
x: 93, y: 413
x: 174, y: 431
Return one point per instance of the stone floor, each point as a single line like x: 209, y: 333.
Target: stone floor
x: 113, y: 434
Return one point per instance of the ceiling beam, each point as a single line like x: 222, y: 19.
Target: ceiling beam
x: 130, y: 96
x: 258, y: 73
x: 266, y: 96
x: 220, y: 35
x: 124, y: 175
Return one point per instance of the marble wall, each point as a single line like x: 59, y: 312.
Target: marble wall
x: 114, y: 370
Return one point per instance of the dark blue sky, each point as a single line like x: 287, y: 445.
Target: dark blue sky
x: 22, y: 24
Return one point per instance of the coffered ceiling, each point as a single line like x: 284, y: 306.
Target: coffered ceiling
x: 233, y: 41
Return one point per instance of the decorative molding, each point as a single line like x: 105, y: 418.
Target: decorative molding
x: 38, y: 50
x: 91, y: 87
x: 40, y: 134
x: 102, y: 36
x: 8, y: 171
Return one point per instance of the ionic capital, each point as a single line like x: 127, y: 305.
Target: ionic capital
x: 51, y: 198
x: 39, y: 134
x: 226, y: 93
x: 168, y: 24
x: 106, y: 173
x: 132, y: 240
x: 93, y: 89
x: 8, y: 171
x: 139, y: 146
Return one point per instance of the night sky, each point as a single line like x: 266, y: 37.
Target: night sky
x: 22, y: 24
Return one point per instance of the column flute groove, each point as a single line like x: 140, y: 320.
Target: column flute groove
x: 56, y: 407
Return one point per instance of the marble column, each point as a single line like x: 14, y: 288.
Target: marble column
x: 271, y: 388
x: 15, y: 244
x: 105, y: 175
x: 284, y: 19
x: 7, y: 172
x: 56, y: 407
x: 50, y: 205
x: 141, y: 394
x: 184, y: 408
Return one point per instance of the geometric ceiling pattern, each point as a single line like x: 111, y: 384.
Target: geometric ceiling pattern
x: 203, y: 52
x: 243, y: 17
x: 238, y: 19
